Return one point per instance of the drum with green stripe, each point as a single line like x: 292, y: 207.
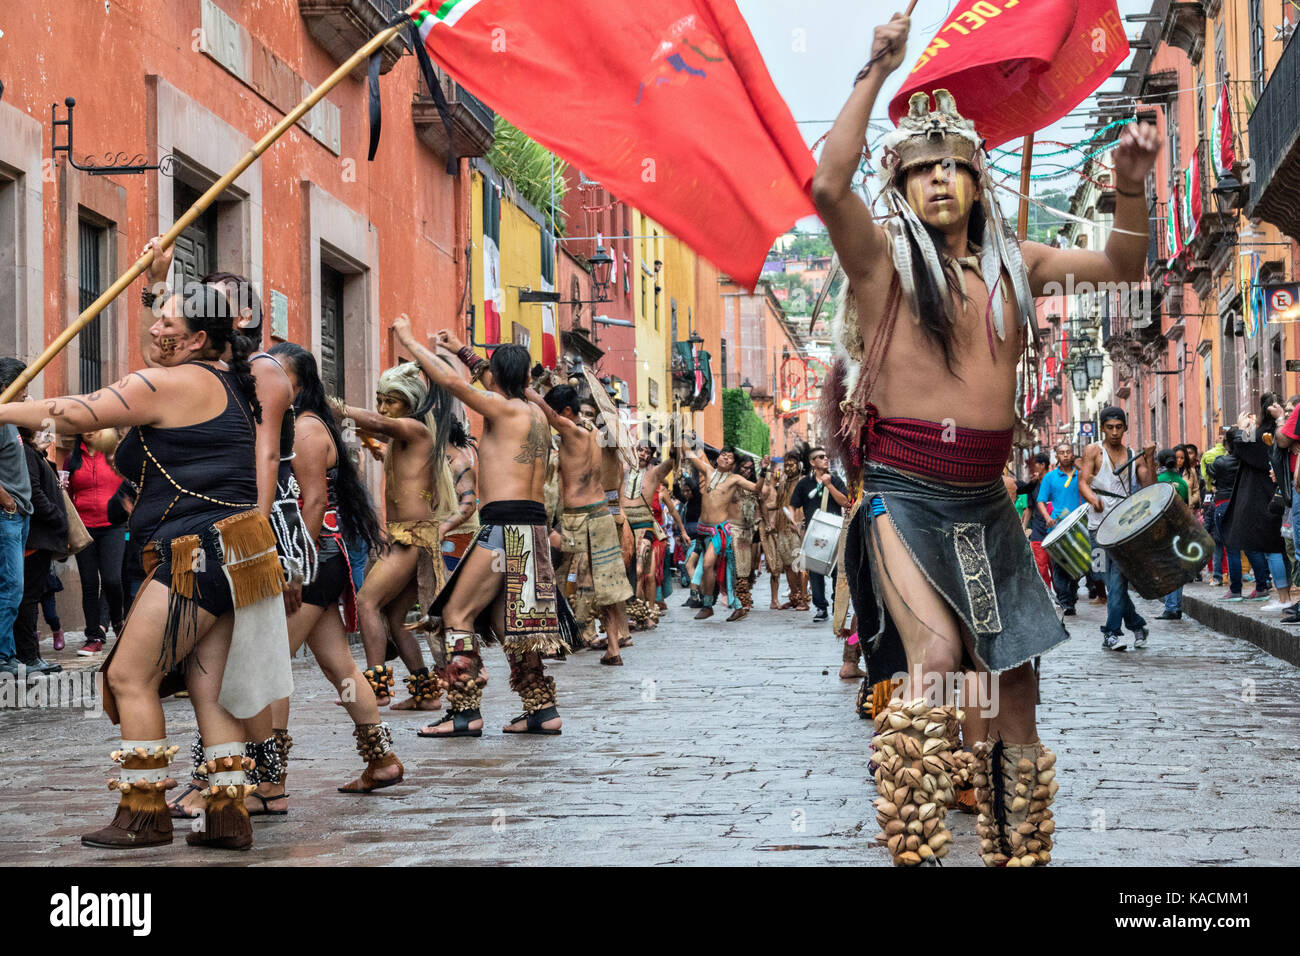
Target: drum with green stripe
x: 1069, y: 544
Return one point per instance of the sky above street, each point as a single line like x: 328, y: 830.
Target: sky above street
x: 814, y: 48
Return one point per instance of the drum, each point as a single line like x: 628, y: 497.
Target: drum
x: 1156, y: 540
x: 1069, y: 543
x: 821, y: 542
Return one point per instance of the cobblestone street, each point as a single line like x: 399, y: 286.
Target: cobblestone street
x: 727, y: 744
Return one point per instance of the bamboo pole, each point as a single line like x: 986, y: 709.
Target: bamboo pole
x: 204, y: 201
x: 1027, y: 160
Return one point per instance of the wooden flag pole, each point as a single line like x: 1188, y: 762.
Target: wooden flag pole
x: 1026, y: 160
x: 204, y: 201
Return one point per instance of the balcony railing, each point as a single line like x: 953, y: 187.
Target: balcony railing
x: 1275, y: 145
x: 344, y: 26
x: 473, y: 123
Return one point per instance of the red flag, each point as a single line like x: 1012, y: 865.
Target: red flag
x: 1016, y: 66
x: 669, y: 105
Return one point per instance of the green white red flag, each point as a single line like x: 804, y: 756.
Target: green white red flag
x: 668, y: 105
x: 1192, y: 199
x: 1221, y: 141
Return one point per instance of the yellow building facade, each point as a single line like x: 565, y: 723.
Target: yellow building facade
x: 650, y: 303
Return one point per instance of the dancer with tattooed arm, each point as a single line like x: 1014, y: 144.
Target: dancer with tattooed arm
x: 504, y: 588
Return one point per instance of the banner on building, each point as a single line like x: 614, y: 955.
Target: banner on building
x: 668, y: 105
x: 1191, y: 204
x: 1221, y: 143
x: 492, y: 295
x: 1252, y: 297
x: 1016, y: 67
x: 550, y: 341
x: 1172, y: 234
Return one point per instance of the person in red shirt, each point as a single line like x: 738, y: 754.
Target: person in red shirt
x: 92, y: 481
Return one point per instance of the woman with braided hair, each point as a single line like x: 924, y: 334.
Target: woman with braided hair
x: 211, y: 607
x: 420, y: 498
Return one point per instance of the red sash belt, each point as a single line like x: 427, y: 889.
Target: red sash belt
x: 941, y: 452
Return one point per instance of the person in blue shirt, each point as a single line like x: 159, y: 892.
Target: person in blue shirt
x: 1058, y: 495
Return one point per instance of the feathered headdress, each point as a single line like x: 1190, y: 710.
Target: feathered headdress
x: 434, y: 406
x: 924, y: 138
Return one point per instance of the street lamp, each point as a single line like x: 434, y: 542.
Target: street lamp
x: 601, y: 263
x: 1079, y: 376
x: 747, y: 386
x: 1096, y: 366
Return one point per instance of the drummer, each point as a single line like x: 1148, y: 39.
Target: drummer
x: 1102, y: 488
x: 1058, y: 497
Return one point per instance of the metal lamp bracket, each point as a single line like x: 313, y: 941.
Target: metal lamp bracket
x: 115, y: 164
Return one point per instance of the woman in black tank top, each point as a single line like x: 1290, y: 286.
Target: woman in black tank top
x: 334, y: 504
x: 193, y: 421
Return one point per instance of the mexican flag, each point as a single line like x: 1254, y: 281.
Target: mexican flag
x: 669, y: 105
x: 1171, y: 228
x: 493, y: 299
x: 1221, y: 138
x: 1191, y: 204
x: 550, y: 342
x: 1016, y: 66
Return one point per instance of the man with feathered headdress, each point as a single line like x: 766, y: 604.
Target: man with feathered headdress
x: 934, y: 315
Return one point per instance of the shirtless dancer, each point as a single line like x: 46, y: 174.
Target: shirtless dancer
x: 459, y: 530
x: 637, y: 494
x: 718, y: 486
x: 419, y: 499
x: 505, y: 585
x: 744, y: 516
x: 937, y: 545
x: 780, y: 536
x: 588, y: 531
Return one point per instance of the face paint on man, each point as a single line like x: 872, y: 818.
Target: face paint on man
x: 941, y: 195
x: 167, y: 345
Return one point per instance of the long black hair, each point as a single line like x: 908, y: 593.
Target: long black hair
x: 205, y: 308
x: 1267, y: 423
x: 356, y: 509
x: 933, y: 303
x: 458, y: 435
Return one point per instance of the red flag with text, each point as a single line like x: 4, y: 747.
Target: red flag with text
x: 668, y: 105
x: 1017, y: 66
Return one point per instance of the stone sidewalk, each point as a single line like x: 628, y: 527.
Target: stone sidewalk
x: 727, y: 744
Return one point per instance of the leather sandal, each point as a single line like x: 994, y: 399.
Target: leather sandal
x: 177, y: 811
x: 266, y: 810
x: 367, y: 782
x: 460, y: 721
x: 533, y: 722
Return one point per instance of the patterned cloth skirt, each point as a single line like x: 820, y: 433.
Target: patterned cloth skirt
x: 970, y: 546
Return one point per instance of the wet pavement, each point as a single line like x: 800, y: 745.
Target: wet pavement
x: 726, y: 744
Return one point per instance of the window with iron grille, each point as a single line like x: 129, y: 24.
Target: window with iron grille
x: 90, y: 341
x: 331, y: 331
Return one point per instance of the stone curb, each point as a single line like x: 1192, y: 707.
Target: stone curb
x: 1237, y: 620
